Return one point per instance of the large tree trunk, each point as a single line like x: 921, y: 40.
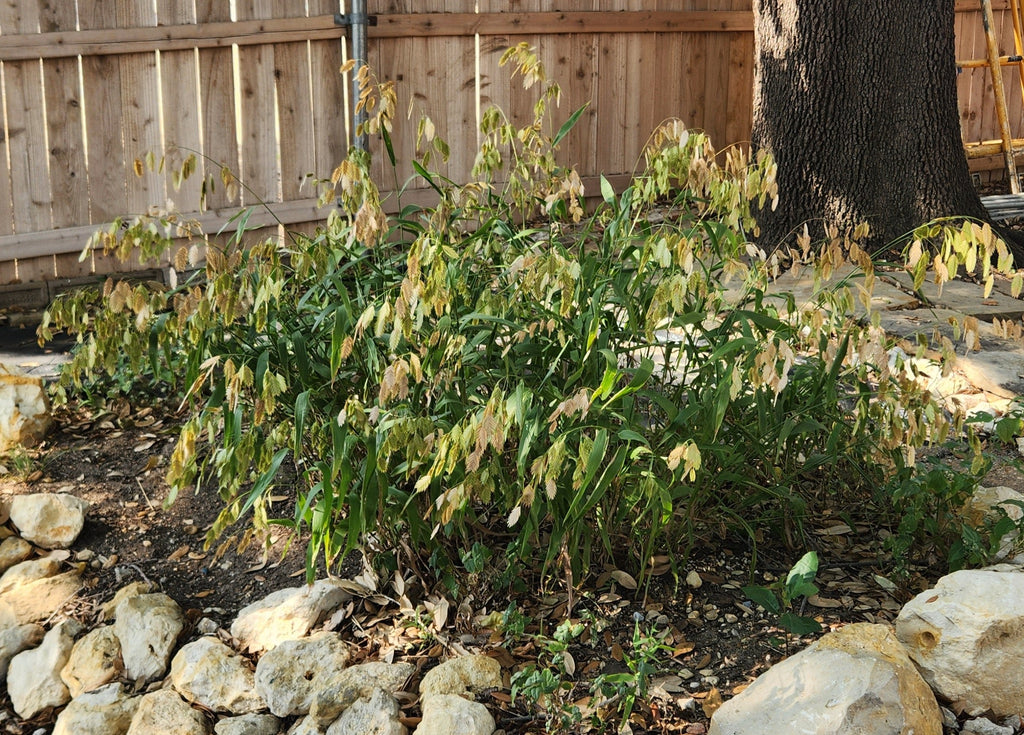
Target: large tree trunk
x: 856, y: 100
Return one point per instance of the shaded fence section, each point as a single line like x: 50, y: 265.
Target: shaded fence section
x: 90, y: 87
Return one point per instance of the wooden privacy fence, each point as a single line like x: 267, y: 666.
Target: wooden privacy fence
x: 88, y: 87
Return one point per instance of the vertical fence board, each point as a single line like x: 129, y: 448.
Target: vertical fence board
x: 330, y: 113
x: 217, y: 101
x: 8, y: 266
x: 179, y: 85
x: 101, y: 84
x: 294, y: 110
x: 741, y: 89
x: 29, y: 157
x: 261, y: 171
x: 140, y: 96
x: 26, y: 135
x: 69, y: 183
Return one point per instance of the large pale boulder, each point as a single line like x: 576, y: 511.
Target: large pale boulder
x: 33, y: 678
x: 29, y: 571
x: 50, y: 520
x: 855, y: 681
x: 251, y: 724
x: 94, y: 661
x: 24, y: 409
x: 107, y: 710
x: 354, y: 683
x: 162, y: 712
x: 984, y: 503
x: 209, y: 673
x: 289, y: 674
x: 13, y: 550
x: 148, y: 627
x: 287, y: 614
x: 461, y: 676
x: 450, y: 714
x: 375, y: 715
x: 39, y: 599
x: 967, y: 637
x: 13, y: 640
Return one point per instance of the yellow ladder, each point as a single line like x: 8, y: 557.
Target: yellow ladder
x: 1006, y: 145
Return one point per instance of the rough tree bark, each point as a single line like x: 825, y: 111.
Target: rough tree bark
x: 856, y: 100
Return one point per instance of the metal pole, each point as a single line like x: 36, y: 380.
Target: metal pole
x: 1000, y: 93
x: 359, y: 21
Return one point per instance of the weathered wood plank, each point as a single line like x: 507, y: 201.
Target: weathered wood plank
x: 261, y: 170
x: 294, y: 109
x: 69, y: 182
x: 6, y: 207
x: 140, y: 113
x: 179, y: 84
x: 330, y: 108
x: 217, y: 99
x: 26, y: 131
x: 101, y: 95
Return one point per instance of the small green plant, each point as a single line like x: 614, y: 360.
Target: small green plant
x: 20, y: 462
x: 625, y: 689
x: 779, y: 599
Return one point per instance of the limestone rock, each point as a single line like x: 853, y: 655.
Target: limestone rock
x: 306, y: 726
x: 15, y: 639
x: 162, y: 712
x: 209, y: 673
x: 40, y: 599
x: 94, y: 661
x: 982, y: 726
x: 24, y: 409
x: 450, y: 714
x: 107, y: 710
x: 33, y: 678
x: 982, y: 505
x: 967, y: 637
x: 376, y: 715
x: 461, y: 675
x: 13, y: 550
x: 248, y: 725
x: 148, y: 627
x: 289, y: 674
x: 353, y: 683
x: 857, y: 680
x: 286, y: 614
x: 50, y: 520
x: 27, y: 572
x: 109, y: 610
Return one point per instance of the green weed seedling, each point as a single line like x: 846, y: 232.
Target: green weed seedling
x: 778, y: 601
x: 624, y: 689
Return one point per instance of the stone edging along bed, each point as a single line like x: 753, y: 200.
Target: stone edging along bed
x: 131, y: 671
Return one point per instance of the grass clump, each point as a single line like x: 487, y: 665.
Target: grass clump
x: 505, y: 376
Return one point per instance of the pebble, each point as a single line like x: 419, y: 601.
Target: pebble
x: 693, y: 580
x: 730, y: 618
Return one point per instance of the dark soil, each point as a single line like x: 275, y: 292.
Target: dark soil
x: 716, y: 641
